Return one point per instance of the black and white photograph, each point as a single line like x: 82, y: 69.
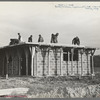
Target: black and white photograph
x: 49, y: 49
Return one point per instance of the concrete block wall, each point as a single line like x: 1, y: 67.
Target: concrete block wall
x: 86, y: 68
x: 89, y: 63
x: 48, y: 65
x: 59, y: 67
x: 54, y: 62
x: 80, y: 64
x: 69, y: 68
x: 52, y: 68
x: 42, y: 64
x: 77, y: 67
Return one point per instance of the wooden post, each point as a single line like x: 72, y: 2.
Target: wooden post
x: 19, y: 66
x: 68, y: 62
x: 77, y: 66
x: 61, y: 52
x: 36, y: 60
x: 7, y: 66
x: 81, y: 52
x: 19, y: 61
x: 92, y: 66
x: 72, y: 61
x: 43, y: 50
x: 87, y: 63
x: 26, y: 63
x: 3, y: 67
x: 81, y: 66
x: 48, y: 61
x: 56, y: 51
x: 81, y: 63
x: 26, y: 56
x: 12, y: 65
x: 92, y: 53
x: 36, y: 63
x: 32, y: 56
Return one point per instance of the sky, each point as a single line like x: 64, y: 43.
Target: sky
x: 69, y: 19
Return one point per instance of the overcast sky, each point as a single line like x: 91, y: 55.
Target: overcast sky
x: 45, y: 18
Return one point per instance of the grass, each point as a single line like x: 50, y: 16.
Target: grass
x: 55, y: 87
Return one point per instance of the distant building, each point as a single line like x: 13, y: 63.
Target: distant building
x: 39, y: 59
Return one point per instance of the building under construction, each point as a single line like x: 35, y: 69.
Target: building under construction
x: 40, y: 59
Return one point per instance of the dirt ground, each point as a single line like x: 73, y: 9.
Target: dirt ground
x: 55, y: 87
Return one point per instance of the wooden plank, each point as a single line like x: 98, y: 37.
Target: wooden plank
x: 13, y: 91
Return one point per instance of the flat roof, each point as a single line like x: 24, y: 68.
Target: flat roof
x: 48, y: 44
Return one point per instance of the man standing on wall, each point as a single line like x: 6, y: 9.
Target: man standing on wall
x: 30, y: 38
x: 40, y: 39
x: 19, y: 37
x: 76, y: 41
x: 54, y: 38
